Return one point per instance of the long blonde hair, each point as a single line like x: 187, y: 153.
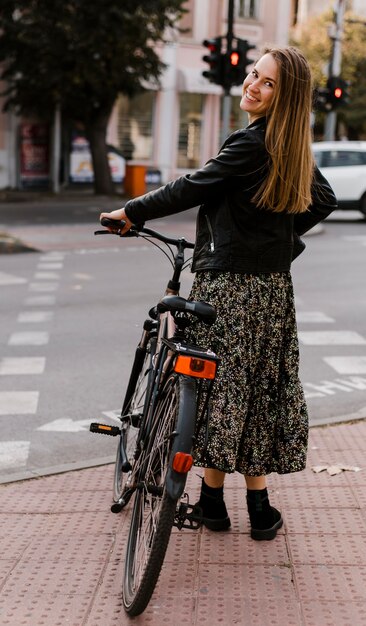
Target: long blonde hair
x: 288, y: 136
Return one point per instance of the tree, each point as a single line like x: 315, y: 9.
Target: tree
x: 79, y: 55
x: 312, y: 38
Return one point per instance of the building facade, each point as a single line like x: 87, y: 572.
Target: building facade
x: 175, y: 128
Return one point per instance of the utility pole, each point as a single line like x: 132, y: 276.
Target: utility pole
x: 335, y: 64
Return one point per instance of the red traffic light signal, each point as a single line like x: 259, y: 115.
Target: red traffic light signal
x: 338, y: 92
x: 234, y: 59
x: 337, y: 88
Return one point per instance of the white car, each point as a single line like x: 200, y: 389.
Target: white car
x: 343, y: 163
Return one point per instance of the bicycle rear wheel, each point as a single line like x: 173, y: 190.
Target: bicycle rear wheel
x: 154, y: 510
x: 131, y: 416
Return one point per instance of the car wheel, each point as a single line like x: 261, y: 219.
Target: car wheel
x: 363, y: 205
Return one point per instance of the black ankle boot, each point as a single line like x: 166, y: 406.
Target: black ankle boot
x: 265, y: 520
x: 213, y: 508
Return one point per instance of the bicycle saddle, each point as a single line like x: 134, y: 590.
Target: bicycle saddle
x: 204, y: 311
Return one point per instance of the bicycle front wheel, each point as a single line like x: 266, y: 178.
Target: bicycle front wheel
x: 154, y: 510
x: 132, y: 415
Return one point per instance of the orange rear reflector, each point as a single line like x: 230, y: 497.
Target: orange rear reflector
x: 182, y: 462
x: 104, y: 427
x: 201, y: 368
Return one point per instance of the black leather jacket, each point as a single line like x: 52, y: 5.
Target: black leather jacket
x: 232, y: 233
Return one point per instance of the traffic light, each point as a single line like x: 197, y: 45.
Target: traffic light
x: 338, y: 94
x: 322, y: 101
x: 215, y: 60
x: 236, y: 61
x: 332, y: 96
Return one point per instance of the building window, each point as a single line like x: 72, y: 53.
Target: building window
x: 190, y: 126
x: 135, y: 126
x: 248, y: 9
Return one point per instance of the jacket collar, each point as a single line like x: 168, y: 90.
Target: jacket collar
x: 260, y: 123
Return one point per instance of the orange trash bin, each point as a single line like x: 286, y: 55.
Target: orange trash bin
x: 134, y: 184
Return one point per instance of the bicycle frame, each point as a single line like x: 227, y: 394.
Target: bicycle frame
x: 168, y: 357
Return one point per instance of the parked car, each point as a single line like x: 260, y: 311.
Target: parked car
x: 343, y: 163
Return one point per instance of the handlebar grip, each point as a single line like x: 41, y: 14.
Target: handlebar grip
x: 114, y: 224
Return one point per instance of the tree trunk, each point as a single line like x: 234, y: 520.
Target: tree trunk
x: 96, y: 133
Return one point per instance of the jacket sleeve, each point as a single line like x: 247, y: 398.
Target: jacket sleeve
x: 239, y: 155
x: 323, y: 203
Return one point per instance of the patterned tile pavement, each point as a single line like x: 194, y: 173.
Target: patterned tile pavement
x: 61, y: 557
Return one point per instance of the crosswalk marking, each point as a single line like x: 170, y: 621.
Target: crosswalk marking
x: 22, y: 365
x: 50, y: 266
x: 9, y: 279
x: 51, y: 256
x: 46, y: 276
x: 331, y: 338
x: 29, y: 338
x: 35, y: 316
x: 41, y: 296
x: 40, y: 301
x: 347, y: 364
x: 18, y: 402
x: 43, y: 286
x: 313, y: 316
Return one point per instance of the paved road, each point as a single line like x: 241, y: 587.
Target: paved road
x: 68, y: 329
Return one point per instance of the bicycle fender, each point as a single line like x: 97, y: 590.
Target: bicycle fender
x: 183, y: 435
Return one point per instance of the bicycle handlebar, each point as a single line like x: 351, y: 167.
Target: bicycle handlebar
x: 139, y: 229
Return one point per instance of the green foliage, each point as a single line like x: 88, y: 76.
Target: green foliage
x: 314, y: 41
x: 80, y: 53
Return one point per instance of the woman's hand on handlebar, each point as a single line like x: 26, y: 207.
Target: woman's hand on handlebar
x: 118, y: 215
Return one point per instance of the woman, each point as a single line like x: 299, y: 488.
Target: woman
x: 257, y: 197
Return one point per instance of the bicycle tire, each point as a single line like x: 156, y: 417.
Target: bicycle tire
x: 154, y: 510
x: 133, y: 406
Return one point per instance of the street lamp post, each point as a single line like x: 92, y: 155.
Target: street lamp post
x: 335, y: 66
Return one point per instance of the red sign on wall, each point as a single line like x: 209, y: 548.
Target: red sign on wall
x: 34, y: 155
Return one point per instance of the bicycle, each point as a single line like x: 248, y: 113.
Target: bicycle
x: 165, y: 405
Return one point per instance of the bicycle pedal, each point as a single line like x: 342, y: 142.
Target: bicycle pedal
x: 105, y: 429
x: 188, y: 516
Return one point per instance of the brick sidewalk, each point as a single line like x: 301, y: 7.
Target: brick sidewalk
x: 62, y: 551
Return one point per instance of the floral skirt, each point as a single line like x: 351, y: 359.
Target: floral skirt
x: 258, y: 417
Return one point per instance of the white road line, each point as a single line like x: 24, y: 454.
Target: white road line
x: 43, y: 286
x: 66, y: 425
x: 29, y: 339
x: 347, y: 364
x: 331, y: 387
x: 13, y: 366
x: 40, y: 301
x: 52, y: 256
x: 313, y: 316
x: 46, y: 276
x: 50, y: 266
x: 9, y: 279
x: 13, y: 453
x: 331, y: 338
x: 35, y: 316
x: 18, y: 402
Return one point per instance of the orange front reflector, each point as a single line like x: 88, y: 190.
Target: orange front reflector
x: 195, y: 367
x: 104, y: 427
x: 182, y: 462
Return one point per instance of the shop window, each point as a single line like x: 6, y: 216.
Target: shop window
x: 190, y: 127
x: 247, y: 9
x: 135, y: 126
